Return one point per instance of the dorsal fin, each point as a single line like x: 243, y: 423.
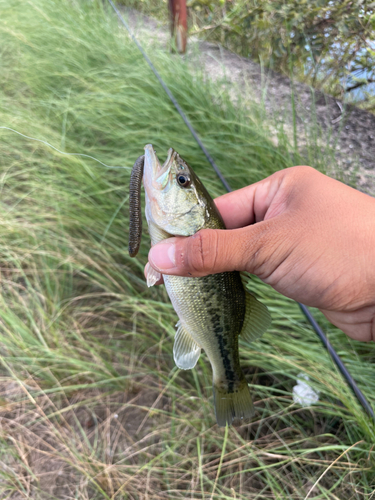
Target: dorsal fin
x: 257, y: 317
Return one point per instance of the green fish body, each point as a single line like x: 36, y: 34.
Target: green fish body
x: 213, y: 310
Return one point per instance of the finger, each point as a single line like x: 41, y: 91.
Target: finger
x: 257, y: 249
x: 249, y: 204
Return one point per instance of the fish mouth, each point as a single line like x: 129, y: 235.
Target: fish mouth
x: 152, y: 168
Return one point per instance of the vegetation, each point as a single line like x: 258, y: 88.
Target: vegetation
x: 329, y: 44
x: 91, y: 404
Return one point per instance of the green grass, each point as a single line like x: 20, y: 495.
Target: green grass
x: 91, y: 404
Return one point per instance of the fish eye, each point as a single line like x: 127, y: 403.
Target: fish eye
x: 183, y: 179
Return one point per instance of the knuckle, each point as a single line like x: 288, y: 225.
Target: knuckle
x: 203, y: 251
x: 298, y: 182
x: 255, y: 253
x: 302, y: 172
x: 260, y: 250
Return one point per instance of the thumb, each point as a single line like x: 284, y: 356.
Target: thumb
x: 212, y: 251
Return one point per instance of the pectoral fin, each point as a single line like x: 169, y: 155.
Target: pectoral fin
x: 257, y: 319
x: 152, y: 276
x: 186, y: 351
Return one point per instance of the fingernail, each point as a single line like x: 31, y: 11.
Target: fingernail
x: 162, y: 255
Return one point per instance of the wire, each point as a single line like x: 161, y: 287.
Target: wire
x: 335, y: 357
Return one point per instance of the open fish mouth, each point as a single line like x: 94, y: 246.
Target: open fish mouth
x: 152, y: 168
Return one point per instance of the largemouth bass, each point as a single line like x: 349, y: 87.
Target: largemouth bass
x: 214, y: 310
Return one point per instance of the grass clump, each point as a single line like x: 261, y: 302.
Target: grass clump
x: 91, y: 404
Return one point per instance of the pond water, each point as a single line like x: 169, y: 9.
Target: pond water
x: 362, y: 92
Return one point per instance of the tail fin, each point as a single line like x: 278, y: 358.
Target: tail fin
x: 233, y: 407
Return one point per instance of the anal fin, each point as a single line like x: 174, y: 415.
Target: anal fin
x: 186, y: 351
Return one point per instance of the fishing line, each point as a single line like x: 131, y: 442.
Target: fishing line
x: 335, y: 357
x: 62, y: 152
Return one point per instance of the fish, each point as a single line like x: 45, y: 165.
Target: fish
x: 214, y: 310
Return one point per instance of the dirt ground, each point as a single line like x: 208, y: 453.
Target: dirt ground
x: 349, y: 129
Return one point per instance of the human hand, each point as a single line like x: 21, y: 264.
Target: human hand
x: 310, y: 237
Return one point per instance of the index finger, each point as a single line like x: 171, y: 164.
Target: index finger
x: 250, y: 204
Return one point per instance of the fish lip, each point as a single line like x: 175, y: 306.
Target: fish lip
x: 170, y: 158
x: 158, y: 172
x: 151, y: 161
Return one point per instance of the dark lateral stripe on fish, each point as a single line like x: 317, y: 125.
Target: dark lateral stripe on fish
x: 135, y: 213
x: 222, y: 340
x: 224, y: 352
x: 224, y: 349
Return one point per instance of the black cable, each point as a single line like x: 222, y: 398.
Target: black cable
x: 336, y: 358
x: 340, y: 365
x: 172, y: 98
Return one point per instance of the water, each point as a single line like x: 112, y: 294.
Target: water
x: 360, y: 93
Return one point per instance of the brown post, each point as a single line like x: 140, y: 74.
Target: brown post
x: 178, y: 13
